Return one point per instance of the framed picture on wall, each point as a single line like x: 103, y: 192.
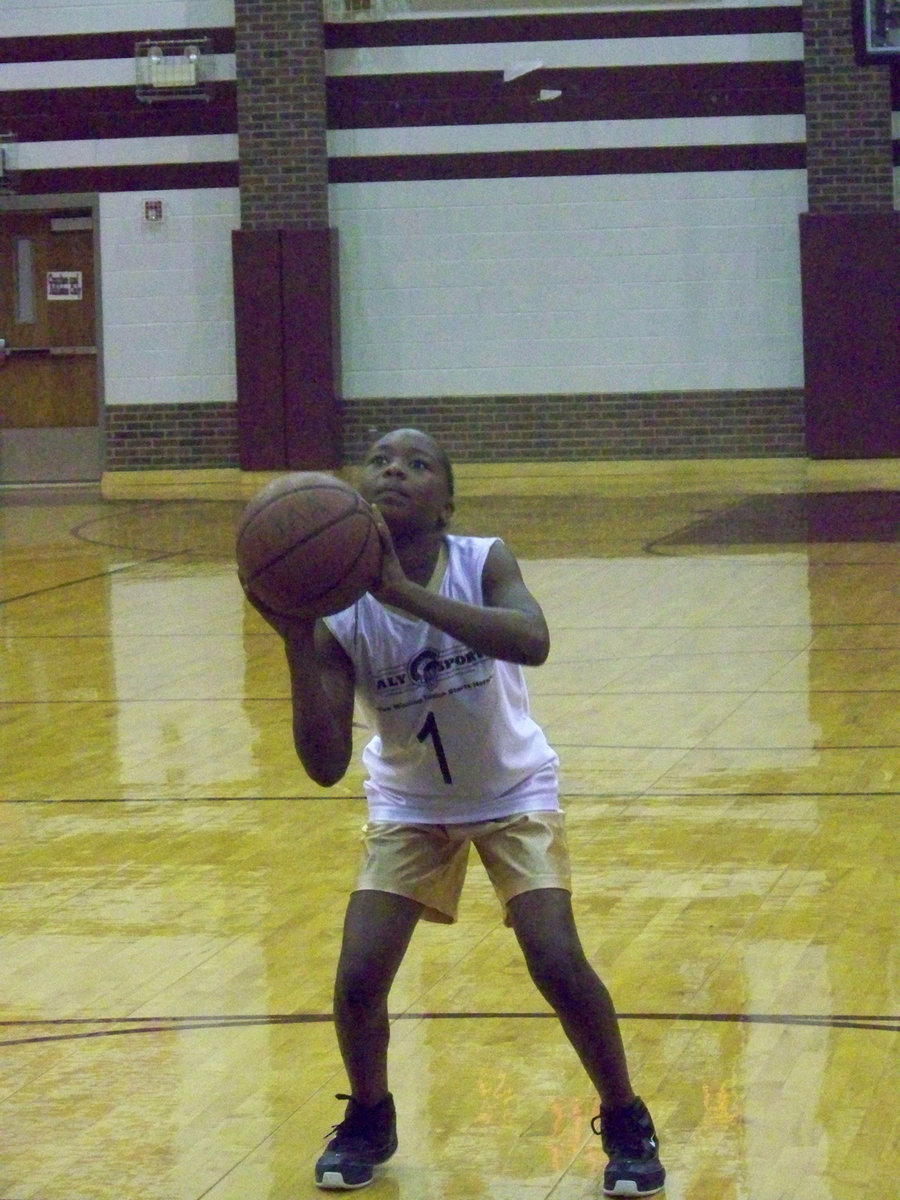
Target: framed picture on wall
x: 876, y: 30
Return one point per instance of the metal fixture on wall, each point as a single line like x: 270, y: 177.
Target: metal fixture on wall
x: 176, y: 69
x: 9, y: 161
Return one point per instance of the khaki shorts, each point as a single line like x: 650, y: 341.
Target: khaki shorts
x: 428, y: 863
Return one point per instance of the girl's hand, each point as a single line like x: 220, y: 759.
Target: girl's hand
x: 287, y: 627
x: 392, y: 573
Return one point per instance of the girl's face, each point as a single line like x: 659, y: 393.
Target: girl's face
x: 403, y: 474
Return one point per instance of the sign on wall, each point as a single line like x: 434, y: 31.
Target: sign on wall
x: 64, y: 285
x: 876, y: 30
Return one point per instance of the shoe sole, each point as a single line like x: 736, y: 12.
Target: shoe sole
x: 333, y: 1181
x: 625, y: 1187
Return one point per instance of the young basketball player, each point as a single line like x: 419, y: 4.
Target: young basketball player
x: 434, y: 656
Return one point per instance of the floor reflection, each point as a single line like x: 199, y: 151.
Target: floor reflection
x: 722, y: 690
x: 810, y: 518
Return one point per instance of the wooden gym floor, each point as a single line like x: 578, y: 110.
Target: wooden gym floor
x: 723, y: 692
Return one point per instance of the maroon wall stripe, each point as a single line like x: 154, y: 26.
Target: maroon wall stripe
x: 443, y: 31
x: 563, y: 27
x: 441, y: 98
x: 397, y: 101
x: 68, y: 47
x: 153, y: 177
x: 588, y: 94
x: 387, y: 168
x: 67, y: 114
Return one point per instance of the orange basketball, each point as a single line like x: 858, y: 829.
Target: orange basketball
x: 307, y: 545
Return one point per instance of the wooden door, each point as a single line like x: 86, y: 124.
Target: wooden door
x: 49, y: 411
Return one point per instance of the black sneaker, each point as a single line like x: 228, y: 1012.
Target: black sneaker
x: 365, y: 1137
x: 630, y: 1141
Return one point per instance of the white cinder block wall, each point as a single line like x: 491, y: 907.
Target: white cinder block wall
x: 168, y: 307
x: 598, y: 283
x: 582, y: 284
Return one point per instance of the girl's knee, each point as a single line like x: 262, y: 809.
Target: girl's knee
x: 361, y: 984
x: 559, y: 971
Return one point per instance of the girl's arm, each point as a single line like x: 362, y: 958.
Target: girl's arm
x: 510, y: 626
x: 321, y: 699
x: 322, y: 680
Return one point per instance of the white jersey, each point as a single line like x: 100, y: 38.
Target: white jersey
x: 454, y: 739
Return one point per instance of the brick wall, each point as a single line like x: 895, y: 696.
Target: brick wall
x: 493, y: 428
x: 748, y: 424
x: 848, y: 116
x: 159, y: 436
x: 281, y: 114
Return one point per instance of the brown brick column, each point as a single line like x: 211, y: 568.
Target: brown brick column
x: 848, y: 116
x: 281, y: 114
x: 285, y: 278
x: 849, y: 245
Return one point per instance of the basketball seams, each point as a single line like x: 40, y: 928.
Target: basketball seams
x: 363, y: 547
x: 317, y: 484
x: 279, y: 558
x: 312, y: 599
x: 346, y: 570
x: 299, y: 555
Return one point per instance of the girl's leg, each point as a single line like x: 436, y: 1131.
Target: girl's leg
x: 377, y: 930
x: 545, y: 927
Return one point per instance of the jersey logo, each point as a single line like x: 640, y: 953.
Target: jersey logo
x: 425, y: 668
x: 430, y: 670
x: 428, y: 666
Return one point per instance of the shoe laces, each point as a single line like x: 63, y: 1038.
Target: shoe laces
x: 626, y: 1132
x: 357, y: 1124
x: 350, y: 1126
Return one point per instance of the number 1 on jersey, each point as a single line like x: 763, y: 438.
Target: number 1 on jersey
x: 430, y: 730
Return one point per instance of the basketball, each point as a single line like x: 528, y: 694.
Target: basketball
x: 307, y: 545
